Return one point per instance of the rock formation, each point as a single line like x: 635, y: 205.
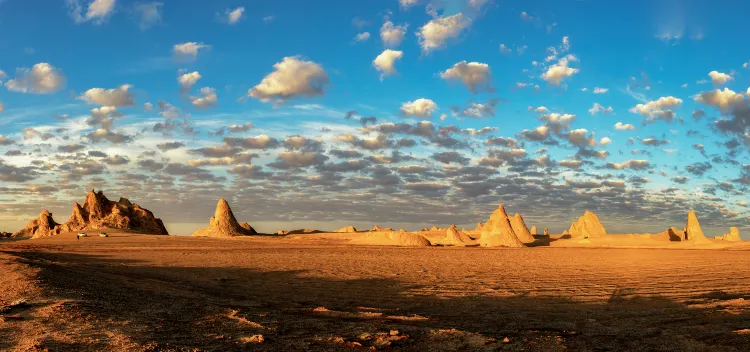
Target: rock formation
x: 376, y: 228
x: 587, y: 226
x: 546, y: 231
x: 392, y: 239
x: 455, y: 238
x: 247, y: 227
x: 97, y: 212
x: 693, y: 231
x: 519, y: 227
x: 223, y: 224
x: 566, y: 232
x: 4, y: 235
x: 435, y: 228
x: 497, y: 231
x: 675, y: 234
x: 533, y: 230
x: 479, y: 226
x: 733, y: 235
x: 347, y: 229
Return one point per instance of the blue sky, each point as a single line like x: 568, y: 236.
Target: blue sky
x: 553, y: 55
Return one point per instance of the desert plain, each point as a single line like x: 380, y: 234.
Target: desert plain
x: 438, y: 289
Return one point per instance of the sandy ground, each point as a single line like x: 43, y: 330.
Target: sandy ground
x: 142, y: 293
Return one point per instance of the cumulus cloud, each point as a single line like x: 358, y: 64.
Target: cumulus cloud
x: 260, y: 142
x: 392, y: 35
x: 475, y: 75
x: 107, y: 135
x: 605, y: 141
x: 149, y: 13
x: 405, y: 4
x: 624, y: 126
x: 571, y: 164
x: 241, y: 128
x: 505, y: 50
x: 97, y: 11
x: 435, y: 34
x: 187, y: 80
x: 189, y: 50
x: 598, y: 90
x: 719, y: 78
x: 419, y: 108
x: 556, y: 73
x: 2, y: 107
x: 384, y: 62
x: 660, y: 109
x: 477, y: 110
x: 630, y: 164
x: 207, y: 99
x: 43, y: 78
x: 291, y: 78
x: 234, y: 16
x: 120, y: 96
x: 578, y: 138
x: 723, y: 99
x: 362, y: 37
x: 597, y: 108
x: 653, y: 141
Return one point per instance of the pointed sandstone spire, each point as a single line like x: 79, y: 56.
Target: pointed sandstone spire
x: 224, y: 224
x: 497, y: 231
x: 587, y: 226
x: 519, y: 227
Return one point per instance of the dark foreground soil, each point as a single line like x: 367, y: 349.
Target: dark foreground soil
x: 143, y: 293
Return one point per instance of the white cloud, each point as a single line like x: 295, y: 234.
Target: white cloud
x: 722, y: 99
x: 624, y: 127
x: 291, y: 77
x: 505, y: 50
x: 598, y: 90
x: 362, y: 37
x: 719, y: 78
x: 578, y: 138
x: 2, y: 76
x: 384, y: 63
x: 149, y: 14
x: 43, y: 78
x: 148, y: 106
x: 605, y: 141
x: 119, y: 96
x: 526, y: 17
x: 597, y: 108
x: 207, y: 99
x: 475, y: 75
x: 234, y: 16
x: 187, y: 80
x: 437, y: 32
x: 392, y: 35
x: 559, y: 71
x: 572, y: 164
x: 268, y: 19
x: 2, y: 107
x: 405, y: 4
x: 630, y: 164
x: 659, y: 109
x: 421, y: 107
x: 97, y: 10
x: 188, y: 50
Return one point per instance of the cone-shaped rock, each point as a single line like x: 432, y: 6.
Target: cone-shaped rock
x: 456, y: 238
x: 733, y: 235
x: 675, y: 234
x: 587, y: 226
x: 347, y: 229
x: 693, y: 231
x: 376, y: 228
x: 247, y: 227
x: 42, y: 226
x: 519, y: 227
x: 533, y: 230
x: 223, y: 223
x: 497, y: 231
x: 479, y: 226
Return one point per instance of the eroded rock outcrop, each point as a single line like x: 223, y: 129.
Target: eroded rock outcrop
x: 520, y: 229
x: 533, y: 230
x: 693, y: 231
x: 453, y: 237
x: 376, y: 228
x: 587, y: 226
x: 42, y: 226
x: 497, y: 231
x: 97, y: 212
x: 479, y: 226
x: 733, y: 235
x: 224, y: 224
x: 347, y: 229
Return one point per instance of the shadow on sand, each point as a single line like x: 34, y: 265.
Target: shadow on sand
x: 186, y: 308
